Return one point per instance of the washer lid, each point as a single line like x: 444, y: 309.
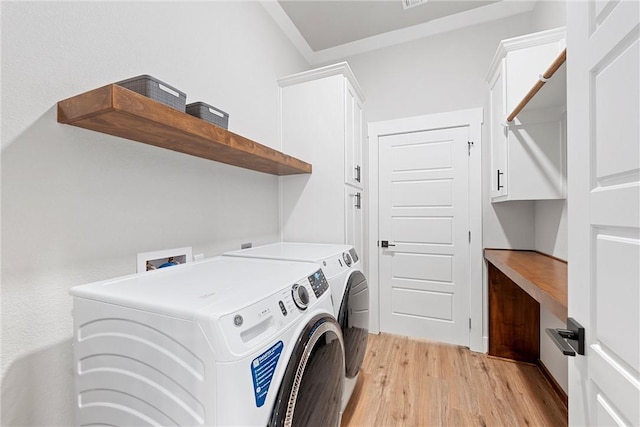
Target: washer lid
x: 313, y: 252
x: 222, y: 284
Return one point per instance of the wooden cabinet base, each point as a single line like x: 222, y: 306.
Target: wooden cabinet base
x: 514, y: 320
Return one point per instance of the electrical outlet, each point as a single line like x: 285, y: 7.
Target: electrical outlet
x: 246, y: 245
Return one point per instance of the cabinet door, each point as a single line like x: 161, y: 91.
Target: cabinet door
x: 353, y: 138
x: 498, y: 135
x: 353, y: 217
x: 312, y: 128
x: 358, y: 126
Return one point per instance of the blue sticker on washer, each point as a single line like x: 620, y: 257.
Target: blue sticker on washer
x: 262, y: 369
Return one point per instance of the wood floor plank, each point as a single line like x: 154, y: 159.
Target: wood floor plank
x: 412, y: 382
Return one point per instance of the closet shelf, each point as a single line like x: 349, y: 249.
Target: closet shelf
x: 548, y: 74
x: 117, y: 111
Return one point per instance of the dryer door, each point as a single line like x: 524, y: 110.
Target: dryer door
x: 311, y: 390
x: 354, y: 322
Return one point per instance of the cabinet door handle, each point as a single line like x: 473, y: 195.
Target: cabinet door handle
x: 358, y: 201
x: 500, y: 174
x: 358, y: 173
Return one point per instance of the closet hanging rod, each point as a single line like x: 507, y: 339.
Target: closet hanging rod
x: 541, y: 81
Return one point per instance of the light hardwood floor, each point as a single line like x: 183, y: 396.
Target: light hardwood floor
x: 410, y: 382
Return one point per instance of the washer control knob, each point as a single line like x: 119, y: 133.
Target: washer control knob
x: 300, y: 296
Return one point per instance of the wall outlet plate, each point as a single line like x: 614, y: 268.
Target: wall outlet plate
x: 163, y: 258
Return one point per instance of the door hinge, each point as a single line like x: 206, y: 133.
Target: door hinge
x: 469, y: 236
x: 469, y: 145
x: 469, y: 323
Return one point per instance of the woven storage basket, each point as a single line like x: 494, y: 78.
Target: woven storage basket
x: 209, y: 113
x: 157, y: 90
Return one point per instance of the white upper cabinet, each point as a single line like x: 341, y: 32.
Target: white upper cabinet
x: 353, y: 137
x: 321, y: 121
x: 528, y: 154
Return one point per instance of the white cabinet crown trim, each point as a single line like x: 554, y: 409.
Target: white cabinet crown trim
x: 521, y: 42
x: 341, y: 68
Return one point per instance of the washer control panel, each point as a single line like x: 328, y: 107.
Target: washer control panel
x: 318, y: 283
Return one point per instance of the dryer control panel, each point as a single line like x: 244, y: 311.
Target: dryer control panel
x: 318, y: 283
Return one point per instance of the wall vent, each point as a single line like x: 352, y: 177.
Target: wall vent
x: 408, y: 4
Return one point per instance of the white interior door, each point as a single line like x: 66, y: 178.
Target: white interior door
x: 424, y: 212
x: 603, y: 72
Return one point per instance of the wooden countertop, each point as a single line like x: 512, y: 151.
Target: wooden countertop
x: 541, y: 276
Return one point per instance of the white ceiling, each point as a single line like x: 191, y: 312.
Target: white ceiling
x: 326, y: 30
x: 325, y: 24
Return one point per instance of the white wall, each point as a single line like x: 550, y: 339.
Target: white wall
x: 548, y: 14
x: 551, y: 227
x: 77, y: 206
x: 445, y: 72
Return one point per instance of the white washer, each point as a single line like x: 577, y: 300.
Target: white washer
x: 349, y: 291
x: 224, y: 341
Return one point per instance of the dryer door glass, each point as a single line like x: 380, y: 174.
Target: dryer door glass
x: 354, y: 322
x: 311, y: 389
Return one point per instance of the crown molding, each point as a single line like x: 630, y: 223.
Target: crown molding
x: 341, y: 68
x: 528, y: 40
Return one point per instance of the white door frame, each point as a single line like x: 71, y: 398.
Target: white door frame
x: 473, y: 119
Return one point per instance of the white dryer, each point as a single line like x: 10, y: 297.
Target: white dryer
x: 349, y: 291
x: 224, y: 341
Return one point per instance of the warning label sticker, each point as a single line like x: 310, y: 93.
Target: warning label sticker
x: 262, y: 369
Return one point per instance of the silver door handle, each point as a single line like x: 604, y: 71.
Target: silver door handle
x: 358, y: 197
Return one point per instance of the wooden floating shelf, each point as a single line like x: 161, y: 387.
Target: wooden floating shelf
x: 117, y: 111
